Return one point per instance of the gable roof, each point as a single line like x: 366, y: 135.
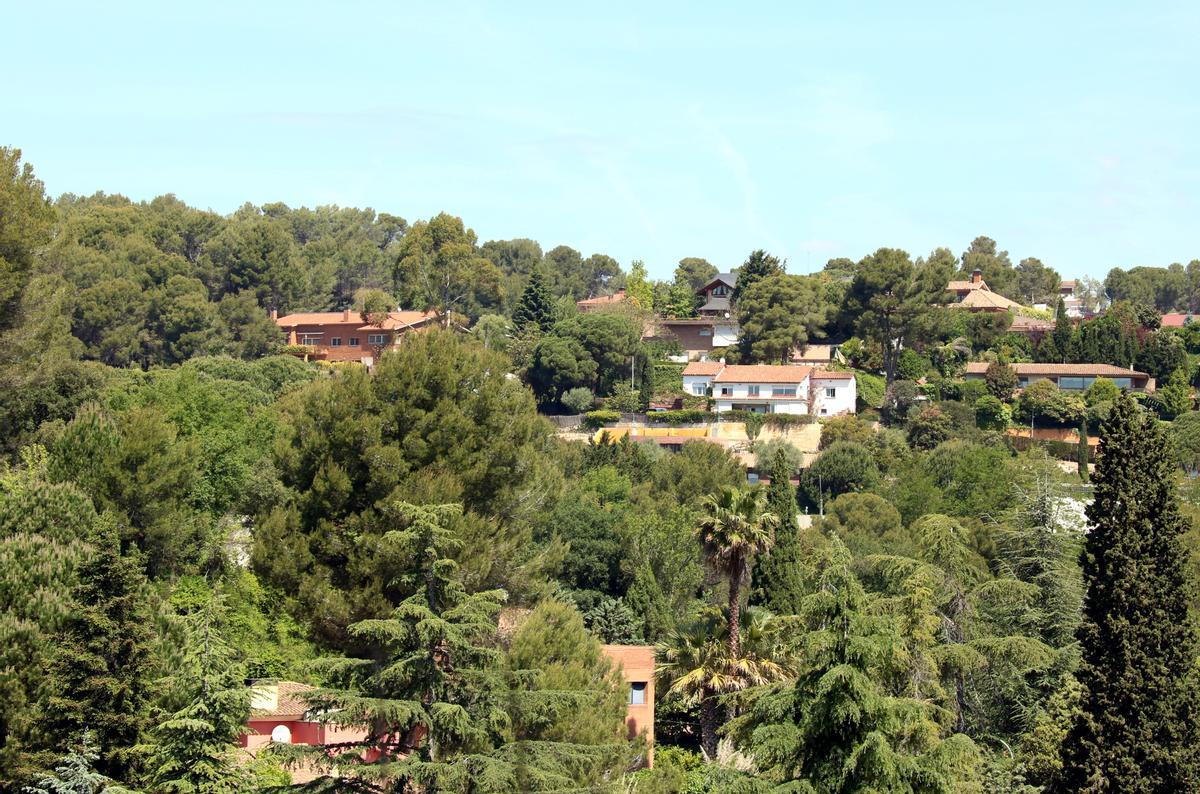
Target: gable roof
x: 762, y: 373
x: 400, y: 320
x: 396, y: 319
x: 703, y: 368
x: 1025, y: 323
x: 602, y: 300
x: 829, y: 374
x: 728, y: 279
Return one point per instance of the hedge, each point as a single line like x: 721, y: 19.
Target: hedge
x: 597, y: 419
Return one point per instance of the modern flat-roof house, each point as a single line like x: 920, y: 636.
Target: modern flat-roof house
x: 1074, y: 377
x: 773, y: 388
x: 343, y: 336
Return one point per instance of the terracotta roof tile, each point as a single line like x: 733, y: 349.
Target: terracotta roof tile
x: 762, y: 373
x: 703, y: 368
x: 986, y: 299
x: 279, y: 699
x: 829, y: 374
x: 1094, y: 370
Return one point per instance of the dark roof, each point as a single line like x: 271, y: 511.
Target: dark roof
x: 728, y: 279
x: 715, y: 305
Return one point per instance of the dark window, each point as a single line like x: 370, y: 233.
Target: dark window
x: 354, y: 341
x: 637, y: 693
x: 336, y: 341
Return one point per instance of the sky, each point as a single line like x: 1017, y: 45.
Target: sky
x: 652, y: 131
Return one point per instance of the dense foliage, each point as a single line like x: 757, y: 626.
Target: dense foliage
x: 910, y: 603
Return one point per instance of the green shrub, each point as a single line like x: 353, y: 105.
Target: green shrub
x: 597, y: 419
x: 870, y: 389
x: 578, y: 399
x: 990, y: 413
x: 675, y: 418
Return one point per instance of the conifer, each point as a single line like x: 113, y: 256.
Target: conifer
x: 1137, y: 727
x: 535, y: 309
x: 780, y: 581
x: 98, y: 675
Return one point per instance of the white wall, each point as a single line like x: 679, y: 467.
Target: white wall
x: 797, y: 406
x: 691, y: 381
x: 740, y: 393
x: 844, y: 400
x: 725, y: 334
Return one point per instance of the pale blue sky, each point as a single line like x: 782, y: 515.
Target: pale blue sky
x: 1067, y: 131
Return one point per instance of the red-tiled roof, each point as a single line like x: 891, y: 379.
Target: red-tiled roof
x: 986, y: 299
x: 400, y: 320
x: 319, y: 318
x: 1176, y: 320
x: 762, y: 373
x: 1093, y: 370
x: 270, y: 699
x: 703, y: 368
x: 1023, y: 322
x: 963, y: 286
x: 603, y: 300
x: 828, y: 374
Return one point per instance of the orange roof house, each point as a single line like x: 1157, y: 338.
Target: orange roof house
x: 591, y: 304
x: 343, y: 336
x: 279, y: 714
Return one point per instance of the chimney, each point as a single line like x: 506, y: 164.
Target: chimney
x: 274, y: 314
x: 976, y: 276
x: 346, y: 316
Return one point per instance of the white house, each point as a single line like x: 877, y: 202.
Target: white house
x: 776, y: 389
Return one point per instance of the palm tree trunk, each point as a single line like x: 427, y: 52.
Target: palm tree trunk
x: 708, y: 724
x: 735, y: 611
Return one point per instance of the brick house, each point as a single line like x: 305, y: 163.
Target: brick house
x: 343, y: 336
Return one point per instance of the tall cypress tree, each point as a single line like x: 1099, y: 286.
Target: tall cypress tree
x: 1064, y: 331
x: 536, y: 307
x: 780, y: 585
x: 98, y: 675
x: 1137, y: 729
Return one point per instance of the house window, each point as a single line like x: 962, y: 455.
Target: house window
x: 310, y: 339
x: 752, y: 390
x: 830, y: 392
x: 698, y: 389
x: 354, y: 341
x: 1123, y: 383
x: 720, y: 291
x: 336, y: 341
x: 824, y: 412
x: 1070, y: 383
x: 704, y: 332
x: 726, y: 391
x: 783, y: 391
x: 637, y: 693
x: 376, y: 339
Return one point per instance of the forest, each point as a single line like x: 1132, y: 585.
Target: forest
x: 926, y: 606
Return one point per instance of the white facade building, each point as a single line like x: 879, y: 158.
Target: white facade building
x: 776, y: 389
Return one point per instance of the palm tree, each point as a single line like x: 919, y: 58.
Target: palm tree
x: 695, y: 663
x: 734, y: 528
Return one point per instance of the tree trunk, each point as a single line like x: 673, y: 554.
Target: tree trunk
x: 735, y: 612
x: 708, y: 725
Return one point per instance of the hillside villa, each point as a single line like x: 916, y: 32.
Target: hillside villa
x: 772, y: 388
x: 279, y: 712
x: 975, y: 295
x: 1073, y: 377
x: 343, y: 336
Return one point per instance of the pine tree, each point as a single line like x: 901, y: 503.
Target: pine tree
x: 780, y: 580
x: 440, y: 711
x: 837, y: 729
x: 76, y: 773
x: 1137, y: 730
x: 535, y: 309
x: 194, y: 749
x: 97, y: 678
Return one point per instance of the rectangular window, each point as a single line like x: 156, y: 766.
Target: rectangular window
x: 1022, y: 382
x: 376, y: 339
x: 704, y: 332
x: 720, y: 291
x: 830, y: 392
x: 637, y: 693
x: 1070, y: 383
x: 752, y: 390
x: 726, y: 391
x: 310, y: 339
x: 354, y: 341
x: 783, y: 391
x: 1123, y: 383
x: 336, y: 341
x: 698, y: 389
